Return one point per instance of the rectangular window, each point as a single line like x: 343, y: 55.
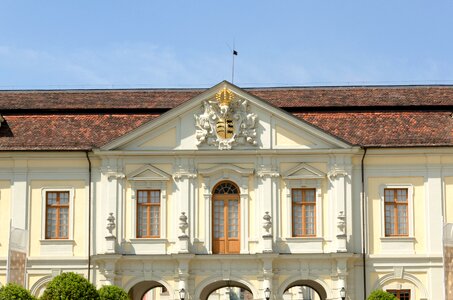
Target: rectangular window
x: 401, y: 294
x: 304, y: 212
x: 57, y: 215
x: 148, y: 213
x: 396, y: 212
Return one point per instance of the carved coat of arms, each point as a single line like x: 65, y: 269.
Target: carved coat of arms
x: 225, y: 122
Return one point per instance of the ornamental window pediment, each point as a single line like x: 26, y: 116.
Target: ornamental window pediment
x: 303, y: 171
x: 148, y: 173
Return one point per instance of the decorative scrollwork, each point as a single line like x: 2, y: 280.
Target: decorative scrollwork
x: 225, y: 122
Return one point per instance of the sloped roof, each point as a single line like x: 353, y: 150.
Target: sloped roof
x: 395, y: 116
x: 298, y: 97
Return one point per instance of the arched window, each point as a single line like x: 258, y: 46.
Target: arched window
x: 225, y: 218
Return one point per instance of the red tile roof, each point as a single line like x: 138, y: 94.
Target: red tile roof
x: 66, y: 132
x: 281, y: 97
x: 386, y: 129
x: 368, y: 116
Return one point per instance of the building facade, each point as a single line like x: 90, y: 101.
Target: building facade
x: 253, y: 189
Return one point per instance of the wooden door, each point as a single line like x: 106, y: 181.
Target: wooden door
x: 225, y: 219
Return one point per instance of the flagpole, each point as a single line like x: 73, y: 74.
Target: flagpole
x: 232, y: 72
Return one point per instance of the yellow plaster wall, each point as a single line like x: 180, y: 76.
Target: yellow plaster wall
x: 165, y: 139
x: 74, y: 163
x: 5, y: 208
x: 393, y: 160
x: 376, y: 213
x: 79, y: 214
x: 286, y: 137
x: 449, y: 199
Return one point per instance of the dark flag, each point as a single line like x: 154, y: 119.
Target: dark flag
x: 235, y: 52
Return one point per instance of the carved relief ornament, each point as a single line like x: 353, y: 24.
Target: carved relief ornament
x: 226, y: 121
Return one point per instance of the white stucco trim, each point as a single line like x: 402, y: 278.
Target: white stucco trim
x: 57, y: 247
x: 303, y: 244
x: 202, y: 285
x: 40, y: 285
x: 395, y: 244
x: 385, y: 282
x: 133, y: 281
x: 158, y: 244
x: 240, y: 177
x: 285, y: 284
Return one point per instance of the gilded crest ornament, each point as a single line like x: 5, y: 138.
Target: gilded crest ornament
x: 226, y: 121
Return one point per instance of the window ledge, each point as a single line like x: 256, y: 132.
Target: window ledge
x: 303, y: 239
x: 301, y: 245
x: 399, y: 245
x: 63, y: 247
x: 147, y: 240
x: 57, y: 241
x: 148, y: 246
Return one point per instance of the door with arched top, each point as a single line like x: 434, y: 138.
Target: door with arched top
x: 225, y: 218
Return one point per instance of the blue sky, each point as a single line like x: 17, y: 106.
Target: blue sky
x: 125, y: 44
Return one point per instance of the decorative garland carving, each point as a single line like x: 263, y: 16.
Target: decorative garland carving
x: 225, y: 122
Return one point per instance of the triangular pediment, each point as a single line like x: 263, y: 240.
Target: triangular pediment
x: 225, y: 117
x: 303, y: 171
x: 148, y: 173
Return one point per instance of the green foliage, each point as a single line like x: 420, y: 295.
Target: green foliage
x: 15, y: 291
x: 112, y: 292
x: 70, y: 286
x: 381, y: 295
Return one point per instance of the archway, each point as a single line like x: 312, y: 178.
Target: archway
x: 148, y: 290
x: 226, y: 290
x: 305, y: 289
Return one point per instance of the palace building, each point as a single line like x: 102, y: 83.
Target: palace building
x: 230, y: 193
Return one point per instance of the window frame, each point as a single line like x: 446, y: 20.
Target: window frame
x: 148, y: 204
x: 394, y: 207
x: 58, y: 207
x: 397, y: 291
x: 410, y: 210
x: 225, y: 199
x: 149, y: 185
x: 304, y: 184
x: 303, y: 205
x: 71, y: 192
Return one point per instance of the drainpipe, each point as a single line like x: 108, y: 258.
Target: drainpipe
x: 363, y: 223
x: 89, y: 217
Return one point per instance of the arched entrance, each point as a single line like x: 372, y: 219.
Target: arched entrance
x: 226, y: 290
x: 225, y: 218
x: 148, y: 290
x: 305, y: 289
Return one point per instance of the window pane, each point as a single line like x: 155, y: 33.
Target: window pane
x: 297, y: 196
x: 155, y: 197
x: 309, y: 196
x: 389, y: 195
x: 402, y: 195
x: 402, y: 219
x: 309, y: 219
x: 297, y: 220
x: 218, y: 219
x: 142, y: 196
x: 51, y: 198
x: 389, y: 220
x: 233, y: 219
x: 64, y: 198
